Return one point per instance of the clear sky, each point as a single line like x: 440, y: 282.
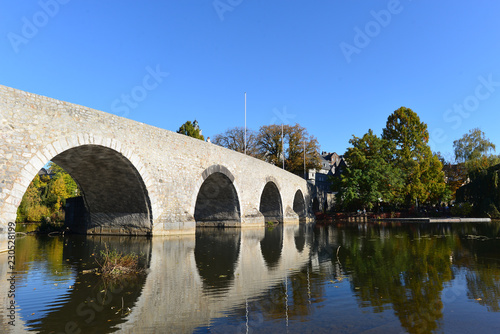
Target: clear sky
x: 337, y: 68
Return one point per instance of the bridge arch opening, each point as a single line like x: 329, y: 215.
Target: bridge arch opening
x: 217, y: 203
x: 299, y: 205
x: 270, y: 203
x: 114, y: 198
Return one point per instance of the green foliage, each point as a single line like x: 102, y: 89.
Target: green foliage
x: 483, y: 192
x: 480, y: 174
x: 370, y: 177
x: 472, y: 146
x: 398, y: 169
x: 422, y: 170
x: 273, y: 149
x: 472, y: 151
x: 190, y: 130
x: 46, y: 196
x: 462, y: 210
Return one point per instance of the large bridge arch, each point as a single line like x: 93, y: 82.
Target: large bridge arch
x: 112, y: 179
x: 299, y: 205
x: 271, y: 203
x: 217, y: 202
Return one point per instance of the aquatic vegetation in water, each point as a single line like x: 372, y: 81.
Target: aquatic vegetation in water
x: 113, y: 263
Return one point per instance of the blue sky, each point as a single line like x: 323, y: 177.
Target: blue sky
x: 337, y: 68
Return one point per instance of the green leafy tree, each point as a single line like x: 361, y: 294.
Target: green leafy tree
x: 273, y: 149
x: 46, y: 196
x: 483, y: 192
x: 370, y: 177
x: 472, y: 146
x: 234, y: 139
x: 423, y: 175
x: 473, y: 150
x: 191, y: 130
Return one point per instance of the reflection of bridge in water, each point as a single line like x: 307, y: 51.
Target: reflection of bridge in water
x: 191, y: 280
x: 181, y: 293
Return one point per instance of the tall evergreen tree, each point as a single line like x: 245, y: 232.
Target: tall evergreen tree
x: 422, y: 170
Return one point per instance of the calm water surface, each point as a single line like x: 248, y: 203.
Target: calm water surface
x: 345, y: 278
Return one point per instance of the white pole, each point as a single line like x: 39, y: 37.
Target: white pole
x: 305, y: 175
x: 282, y: 147
x: 245, y: 122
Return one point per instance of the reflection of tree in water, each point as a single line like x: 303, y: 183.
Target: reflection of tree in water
x: 484, y: 286
x: 405, y: 271
x: 481, y: 260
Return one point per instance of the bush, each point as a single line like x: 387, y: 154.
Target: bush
x: 37, y: 213
x: 113, y: 263
x: 462, y: 210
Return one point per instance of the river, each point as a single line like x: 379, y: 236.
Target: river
x: 340, y: 278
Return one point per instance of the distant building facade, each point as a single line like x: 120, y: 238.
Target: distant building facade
x: 332, y: 165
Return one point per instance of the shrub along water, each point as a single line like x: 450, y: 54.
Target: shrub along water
x: 113, y: 263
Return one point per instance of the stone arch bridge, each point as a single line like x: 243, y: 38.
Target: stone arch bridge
x: 135, y: 178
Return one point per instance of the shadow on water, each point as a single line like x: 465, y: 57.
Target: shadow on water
x: 216, y: 254
x: 54, y: 294
x: 271, y: 245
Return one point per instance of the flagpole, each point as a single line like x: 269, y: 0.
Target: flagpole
x: 245, y: 122
x: 305, y: 175
x: 282, y: 147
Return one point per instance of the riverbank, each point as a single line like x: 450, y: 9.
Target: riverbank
x: 437, y: 220
x: 394, y: 217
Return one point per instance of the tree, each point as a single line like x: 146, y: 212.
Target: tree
x: 191, y: 130
x: 423, y: 175
x: 472, y: 146
x: 234, y: 139
x: 291, y: 149
x: 473, y: 151
x: 299, y: 140
x: 483, y: 192
x: 370, y: 176
x: 46, y: 195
